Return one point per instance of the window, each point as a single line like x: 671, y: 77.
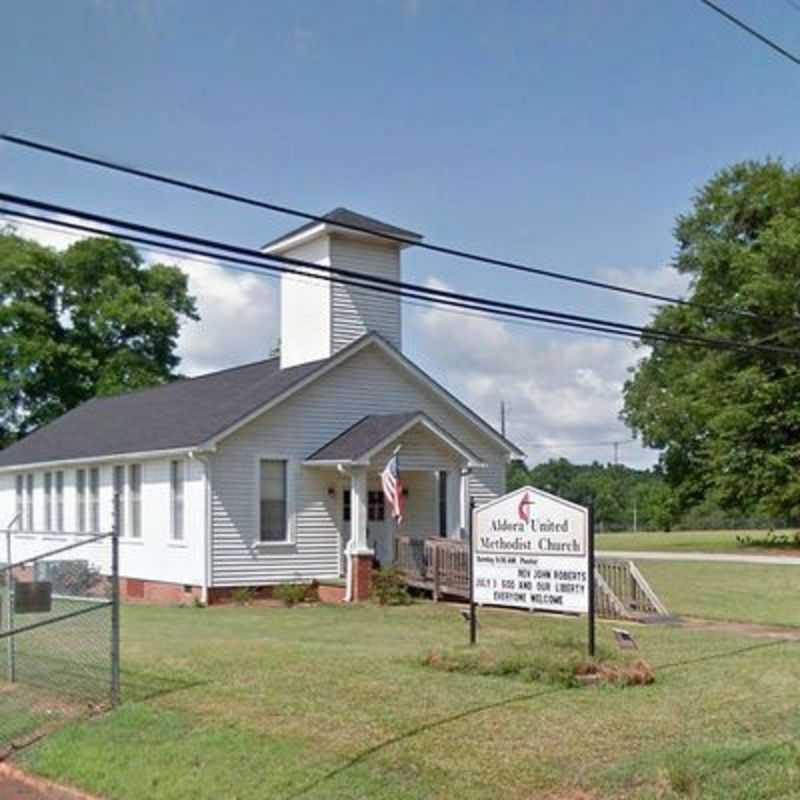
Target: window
x: 135, y: 498
x: 29, y: 502
x: 80, y: 491
x: 94, y: 499
x: 376, y: 506
x: 20, y: 485
x: 59, y: 520
x: 376, y: 509
x: 176, y: 483
x: 48, y: 501
x: 442, y: 504
x: 119, y: 498
x: 347, y: 508
x: 272, y: 499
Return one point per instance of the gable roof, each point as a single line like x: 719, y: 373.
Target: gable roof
x: 194, y: 412
x: 362, y: 437
x: 374, y: 432
x: 344, y: 216
x: 174, y: 416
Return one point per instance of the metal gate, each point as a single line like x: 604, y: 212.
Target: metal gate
x: 59, y: 630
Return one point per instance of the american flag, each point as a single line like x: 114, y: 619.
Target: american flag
x: 393, y: 488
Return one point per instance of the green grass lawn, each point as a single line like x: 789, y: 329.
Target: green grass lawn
x: 758, y: 593
x: 678, y: 541
x: 334, y: 702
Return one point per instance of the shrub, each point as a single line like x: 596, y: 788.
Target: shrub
x: 243, y: 595
x: 389, y: 587
x: 290, y: 594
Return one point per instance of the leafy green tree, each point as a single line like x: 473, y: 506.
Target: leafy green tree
x: 89, y: 320
x: 614, y: 490
x: 728, y: 422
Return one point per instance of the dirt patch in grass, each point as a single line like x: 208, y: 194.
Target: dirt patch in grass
x: 561, y: 662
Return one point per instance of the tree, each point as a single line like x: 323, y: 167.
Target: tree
x: 728, y: 422
x: 89, y: 320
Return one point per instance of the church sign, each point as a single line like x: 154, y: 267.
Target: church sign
x: 532, y: 550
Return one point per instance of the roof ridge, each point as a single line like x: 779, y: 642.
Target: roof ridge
x: 177, y: 380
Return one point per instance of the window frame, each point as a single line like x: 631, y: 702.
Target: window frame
x: 118, y: 495
x: 48, y: 501
x: 81, y: 518
x: 135, y: 499
x: 94, y: 499
x: 19, y: 499
x: 30, y: 488
x: 376, y: 505
x: 177, y: 478
x: 289, y: 488
x: 58, y: 499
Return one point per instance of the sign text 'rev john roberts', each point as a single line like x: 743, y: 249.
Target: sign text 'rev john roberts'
x: 530, y: 550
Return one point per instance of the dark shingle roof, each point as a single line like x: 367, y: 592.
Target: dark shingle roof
x: 362, y: 437
x: 346, y: 217
x: 185, y: 413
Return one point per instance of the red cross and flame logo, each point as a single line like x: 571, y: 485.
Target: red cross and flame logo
x: 522, y: 509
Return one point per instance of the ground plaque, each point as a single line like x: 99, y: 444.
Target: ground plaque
x: 531, y: 550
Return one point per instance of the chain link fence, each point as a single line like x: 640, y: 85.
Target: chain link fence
x: 59, y: 631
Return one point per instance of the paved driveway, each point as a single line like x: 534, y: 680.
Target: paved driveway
x: 722, y: 558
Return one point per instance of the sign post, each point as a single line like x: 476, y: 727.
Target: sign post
x: 590, y: 582
x: 530, y: 549
x: 473, y: 620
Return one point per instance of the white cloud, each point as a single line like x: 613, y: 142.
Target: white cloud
x: 238, y: 318
x: 50, y: 235
x: 558, y: 387
x: 664, y: 280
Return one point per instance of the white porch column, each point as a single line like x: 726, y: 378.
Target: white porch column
x: 358, y: 511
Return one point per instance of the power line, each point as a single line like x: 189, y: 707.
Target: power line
x: 442, y: 249
x: 552, y: 445
x: 361, y: 282
x: 213, y: 259
x: 370, y: 281
x: 752, y: 31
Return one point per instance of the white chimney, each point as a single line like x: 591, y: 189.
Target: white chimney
x: 318, y: 317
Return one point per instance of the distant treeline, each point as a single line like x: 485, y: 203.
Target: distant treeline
x: 617, y: 491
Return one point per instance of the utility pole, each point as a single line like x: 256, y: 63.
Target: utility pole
x: 503, y: 417
x: 635, y: 519
x: 616, y: 453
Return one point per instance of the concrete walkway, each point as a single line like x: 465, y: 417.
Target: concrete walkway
x: 721, y: 558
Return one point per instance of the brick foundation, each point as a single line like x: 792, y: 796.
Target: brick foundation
x: 362, y: 576
x: 330, y: 593
x: 134, y: 590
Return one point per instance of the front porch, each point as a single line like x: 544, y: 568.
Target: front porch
x: 434, y: 472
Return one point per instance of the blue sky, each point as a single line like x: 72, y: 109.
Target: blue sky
x: 560, y: 133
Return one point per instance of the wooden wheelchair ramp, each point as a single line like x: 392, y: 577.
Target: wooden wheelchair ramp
x: 441, y: 566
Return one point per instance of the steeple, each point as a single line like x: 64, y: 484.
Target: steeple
x: 318, y: 317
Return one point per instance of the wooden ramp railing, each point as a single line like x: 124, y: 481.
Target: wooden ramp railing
x: 441, y: 566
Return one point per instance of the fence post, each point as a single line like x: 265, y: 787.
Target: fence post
x: 115, y: 693
x: 12, y: 645
x: 436, y: 566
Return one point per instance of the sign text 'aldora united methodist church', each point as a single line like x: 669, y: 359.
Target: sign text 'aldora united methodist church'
x: 530, y: 550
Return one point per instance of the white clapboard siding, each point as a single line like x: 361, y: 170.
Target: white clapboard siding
x: 155, y: 555
x: 306, y: 308
x: 354, y: 311
x: 367, y: 383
